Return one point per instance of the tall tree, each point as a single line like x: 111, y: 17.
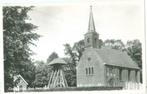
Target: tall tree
x: 69, y: 51
x: 52, y: 57
x: 101, y: 43
x: 70, y: 74
x: 17, y: 36
x: 78, y: 49
x: 74, y: 54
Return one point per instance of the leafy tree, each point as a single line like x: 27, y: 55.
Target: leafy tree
x: 78, y: 49
x: 101, y: 43
x: 114, y: 44
x: 42, y: 74
x: 52, y: 57
x: 72, y: 55
x: 74, y: 52
x: 134, y: 50
x: 17, y: 37
x: 70, y: 72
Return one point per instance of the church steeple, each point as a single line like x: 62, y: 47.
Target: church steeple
x: 91, y: 26
x: 91, y: 37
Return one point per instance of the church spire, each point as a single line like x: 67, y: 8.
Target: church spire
x: 91, y: 37
x: 91, y: 26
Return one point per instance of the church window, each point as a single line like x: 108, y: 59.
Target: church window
x: 110, y: 71
x: 95, y: 40
x: 86, y: 71
x: 129, y: 75
x: 120, y: 74
x: 136, y: 76
x: 88, y: 40
x: 107, y: 71
x: 92, y: 70
x: 89, y: 71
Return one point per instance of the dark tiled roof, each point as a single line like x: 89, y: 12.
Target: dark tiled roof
x: 116, y: 58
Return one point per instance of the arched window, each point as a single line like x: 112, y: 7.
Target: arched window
x: 86, y: 71
x: 136, y: 76
x: 129, y: 73
x: 89, y: 58
x: 120, y: 74
x: 92, y: 70
x: 89, y: 71
x: 95, y: 40
x: 88, y: 40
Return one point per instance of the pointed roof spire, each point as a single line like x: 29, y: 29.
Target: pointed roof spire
x: 91, y: 26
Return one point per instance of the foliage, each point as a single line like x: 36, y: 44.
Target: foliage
x: 70, y: 72
x: 42, y: 74
x: 114, y: 44
x: 69, y: 51
x: 134, y: 50
x: 100, y: 42
x: 78, y: 49
x: 52, y: 57
x: 74, y: 52
x: 17, y: 37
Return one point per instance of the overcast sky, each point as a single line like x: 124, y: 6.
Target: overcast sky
x: 60, y: 24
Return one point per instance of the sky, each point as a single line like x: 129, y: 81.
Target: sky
x: 59, y: 24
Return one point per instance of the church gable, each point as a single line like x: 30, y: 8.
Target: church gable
x: 89, y: 68
x: 90, y: 57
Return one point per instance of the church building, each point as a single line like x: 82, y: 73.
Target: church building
x: 102, y: 66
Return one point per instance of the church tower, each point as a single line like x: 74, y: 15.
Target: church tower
x: 91, y: 37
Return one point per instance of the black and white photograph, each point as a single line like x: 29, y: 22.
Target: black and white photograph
x: 92, y: 46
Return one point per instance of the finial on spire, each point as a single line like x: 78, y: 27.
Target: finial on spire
x: 91, y: 7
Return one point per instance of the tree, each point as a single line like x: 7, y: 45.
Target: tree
x: 52, y: 57
x: 134, y: 50
x: 78, y: 49
x: 74, y: 54
x: 41, y: 74
x: 70, y: 72
x: 114, y: 44
x: 100, y: 42
x: 17, y: 36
